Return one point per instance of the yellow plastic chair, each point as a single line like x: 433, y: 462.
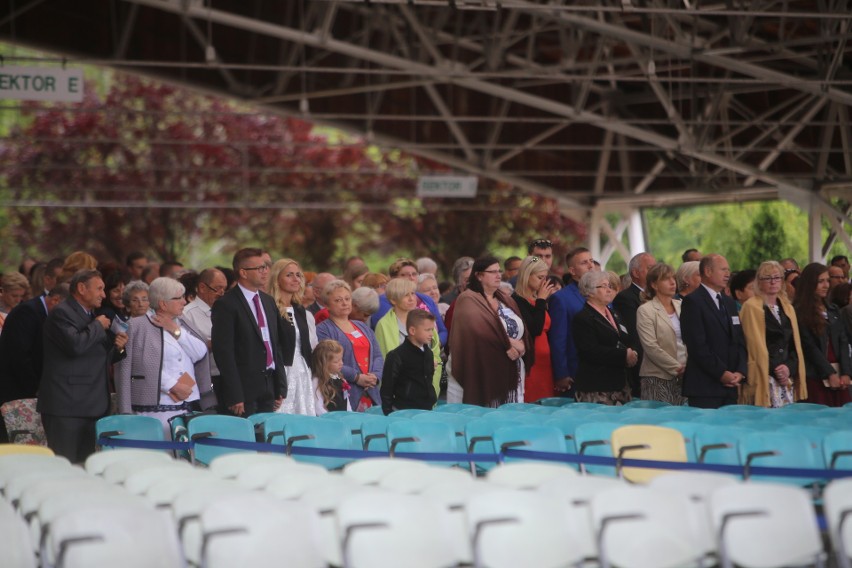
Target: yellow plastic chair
x: 10, y: 449
x: 644, y: 442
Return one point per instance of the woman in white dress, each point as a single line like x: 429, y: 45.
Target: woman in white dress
x: 287, y: 285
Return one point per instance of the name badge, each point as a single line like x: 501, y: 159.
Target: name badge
x: 265, y: 333
x: 622, y: 328
x: 735, y: 320
x: 356, y: 334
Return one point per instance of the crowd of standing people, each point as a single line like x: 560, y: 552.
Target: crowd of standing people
x: 88, y: 339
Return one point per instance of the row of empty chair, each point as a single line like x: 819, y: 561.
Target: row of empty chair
x: 809, y: 437
x: 145, y: 508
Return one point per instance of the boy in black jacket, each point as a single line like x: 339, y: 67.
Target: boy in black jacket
x: 408, y: 370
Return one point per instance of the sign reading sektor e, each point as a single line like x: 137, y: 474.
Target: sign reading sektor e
x: 41, y: 84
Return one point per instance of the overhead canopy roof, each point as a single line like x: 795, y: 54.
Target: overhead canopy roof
x: 627, y: 102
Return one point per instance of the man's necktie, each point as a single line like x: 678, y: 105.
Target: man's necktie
x: 261, y: 323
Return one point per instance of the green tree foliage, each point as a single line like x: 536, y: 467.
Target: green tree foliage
x: 766, y: 238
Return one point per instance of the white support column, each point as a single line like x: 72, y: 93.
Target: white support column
x: 814, y: 230
x: 636, y: 232
x: 601, y: 229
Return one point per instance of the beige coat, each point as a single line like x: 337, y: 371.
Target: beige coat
x: 658, y: 340
x: 756, y: 391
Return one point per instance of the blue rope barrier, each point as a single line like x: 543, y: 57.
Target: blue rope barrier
x: 482, y: 457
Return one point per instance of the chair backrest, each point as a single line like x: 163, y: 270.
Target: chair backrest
x: 246, y: 531
x: 717, y: 444
x: 415, y: 481
x: 454, y: 407
x: 529, y: 474
x: 557, y: 401
x: 389, y: 530
x: 778, y: 449
x: 645, y: 442
x: 409, y: 412
x: 647, y: 404
x: 218, y: 426
x: 353, y: 421
x: 837, y: 500
x: 639, y: 526
x: 229, y: 466
x: 537, y: 438
x: 807, y: 406
x: 687, y: 430
x: 370, y: 471
x: 374, y: 432
x: 23, y: 421
x: 99, y: 461
x: 837, y: 449
x: 422, y: 437
x: 260, y: 475
x: 130, y: 427
x: 594, y: 439
x: 748, y: 517
x: 272, y: 426
x: 17, y: 549
x: 748, y: 408
x: 318, y: 433
x: 20, y: 449
x: 509, y: 528
x: 522, y: 406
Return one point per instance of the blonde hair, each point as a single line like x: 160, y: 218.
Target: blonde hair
x: 75, y: 261
x: 320, y: 361
x: 398, y: 288
x: 766, y: 269
x: 529, y: 266
x: 275, y: 288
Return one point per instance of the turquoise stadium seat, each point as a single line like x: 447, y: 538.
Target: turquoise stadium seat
x: 778, y: 449
x: 537, y: 438
x: 218, y: 426
x: 130, y: 427
x: 318, y: 433
x: 593, y: 439
x: 412, y: 436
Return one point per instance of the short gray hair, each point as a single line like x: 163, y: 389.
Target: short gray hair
x: 426, y: 264
x: 162, y: 289
x: 366, y: 300
x: 684, y: 272
x: 132, y: 287
x: 424, y: 276
x: 636, y: 262
x: 591, y: 280
x: 461, y: 264
x: 332, y: 286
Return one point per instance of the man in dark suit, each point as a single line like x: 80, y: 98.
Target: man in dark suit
x: 21, y: 345
x: 626, y: 303
x: 78, y: 348
x: 717, y: 361
x: 250, y: 344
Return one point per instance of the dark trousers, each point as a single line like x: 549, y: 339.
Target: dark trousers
x: 263, y: 403
x: 713, y: 401
x: 70, y: 436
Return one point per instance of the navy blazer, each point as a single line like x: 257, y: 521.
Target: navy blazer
x: 563, y: 306
x: 77, y: 353
x: 239, y: 351
x: 21, y: 350
x: 715, y: 343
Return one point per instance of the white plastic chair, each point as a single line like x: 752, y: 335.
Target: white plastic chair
x: 259, y: 475
x: 509, y: 528
x: 186, y: 512
x: 369, y: 471
x: 17, y: 550
x: 765, y: 525
x: 118, y: 472
x: 139, y: 482
x: 697, y: 486
x: 837, y: 499
x: 529, y: 475
x: 13, y: 466
x: 19, y: 484
x: 126, y: 536
x: 228, y: 466
x: 250, y: 530
x: 639, y: 527
x: 575, y: 498
x: 388, y: 530
x: 99, y: 461
x: 414, y: 481
x: 58, y: 505
x: 453, y: 497
x: 324, y: 495
x: 163, y: 492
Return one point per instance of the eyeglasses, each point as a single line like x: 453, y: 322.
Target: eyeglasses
x: 837, y: 277
x: 771, y: 279
x: 541, y: 244
x: 217, y: 291
x: 261, y: 268
x: 495, y: 271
